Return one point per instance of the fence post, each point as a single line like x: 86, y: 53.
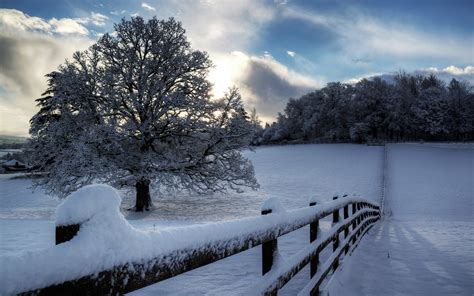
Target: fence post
x: 358, y: 209
x: 335, y: 245
x: 346, y: 230
x: 313, y: 235
x: 268, y: 250
x: 354, y: 222
x: 65, y: 233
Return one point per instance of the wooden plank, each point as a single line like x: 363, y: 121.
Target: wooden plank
x: 66, y: 233
x: 268, y: 250
x: 278, y: 280
x: 316, y: 282
x: 346, y: 230
x: 313, y: 235
x: 335, y: 245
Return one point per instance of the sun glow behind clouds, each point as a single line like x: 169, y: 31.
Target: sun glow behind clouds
x: 234, y: 33
x: 227, y: 69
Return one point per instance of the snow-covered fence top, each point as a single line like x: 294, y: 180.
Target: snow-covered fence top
x: 109, y: 256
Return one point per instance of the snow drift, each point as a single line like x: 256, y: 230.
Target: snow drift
x: 106, y: 239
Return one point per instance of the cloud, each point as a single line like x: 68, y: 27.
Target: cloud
x: 30, y: 47
x: 15, y: 20
x: 148, y: 7
x: 95, y: 18
x: 12, y: 18
x: 117, y: 12
x: 363, y: 35
x: 357, y: 79
x: 67, y: 26
x: 468, y: 70
x: 448, y: 73
x: 98, y: 19
x: 225, y: 29
x: 265, y: 83
x: 291, y: 53
x: 221, y: 26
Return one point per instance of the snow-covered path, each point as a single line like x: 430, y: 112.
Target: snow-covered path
x: 425, y: 244
x: 410, y: 258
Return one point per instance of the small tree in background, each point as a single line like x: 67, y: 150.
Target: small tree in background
x: 135, y: 109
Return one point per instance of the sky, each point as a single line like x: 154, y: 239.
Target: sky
x: 272, y: 50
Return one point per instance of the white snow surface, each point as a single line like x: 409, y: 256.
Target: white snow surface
x: 425, y: 245
x: 440, y: 212
x: 290, y: 173
x: 87, y: 202
x: 95, y: 248
x: 273, y: 204
x: 433, y: 182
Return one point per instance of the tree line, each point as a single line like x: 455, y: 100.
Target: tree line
x: 411, y: 107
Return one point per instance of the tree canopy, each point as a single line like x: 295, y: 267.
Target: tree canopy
x: 135, y: 109
x: 410, y: 107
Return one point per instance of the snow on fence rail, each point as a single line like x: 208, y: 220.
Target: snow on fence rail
x: 99, y: 252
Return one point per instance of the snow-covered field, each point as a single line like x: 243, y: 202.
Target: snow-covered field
x: 290, y: 173
x: 424, y: 183
x: 425, y: 245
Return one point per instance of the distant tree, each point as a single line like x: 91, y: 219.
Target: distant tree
x: 336, y: 111
x: 257, y: 128
x: 269, y: 134
x: 293, y: 120
x: 460, y: 110
x: 134, y: 110
x: 370, y: 108
x: 410, y: 107
x: 430, y: 111
x: 359, y: 132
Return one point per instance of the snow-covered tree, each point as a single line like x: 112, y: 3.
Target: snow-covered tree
x: 256, y: 127
x: 369, y: 107
x: 460, y: 110
x: 409, y: 107
x: 135, y: 110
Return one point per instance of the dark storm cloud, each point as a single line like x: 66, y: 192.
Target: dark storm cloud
x: 272, y: 87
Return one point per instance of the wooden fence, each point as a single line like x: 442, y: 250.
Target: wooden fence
x: 135, y: 275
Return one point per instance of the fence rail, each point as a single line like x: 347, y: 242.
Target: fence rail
x: 131, y: 276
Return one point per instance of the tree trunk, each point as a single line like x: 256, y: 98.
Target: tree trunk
x: 143, y: 201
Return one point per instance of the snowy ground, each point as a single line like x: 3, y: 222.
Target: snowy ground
x: 290, y: 173
x: 293, y: 174
x: 4, y: 152
x: 425, y: 245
